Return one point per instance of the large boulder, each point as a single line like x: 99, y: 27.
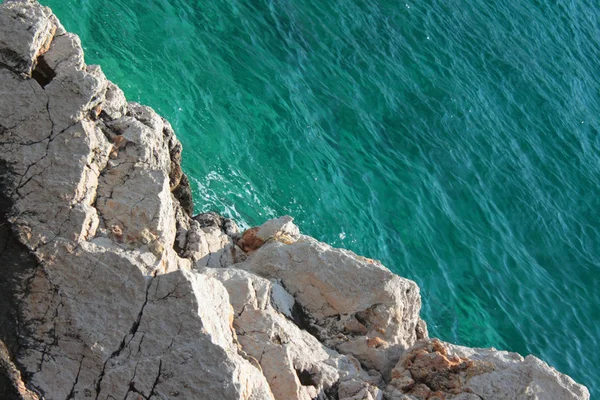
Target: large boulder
x: 351, y: 303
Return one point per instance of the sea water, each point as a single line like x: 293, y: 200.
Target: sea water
x: 455, y: 140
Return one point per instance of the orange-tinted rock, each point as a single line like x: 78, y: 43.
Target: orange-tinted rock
x: 376, y: 342
x: 430, y: 366
x: 249, y: 241
x: 421, y: 392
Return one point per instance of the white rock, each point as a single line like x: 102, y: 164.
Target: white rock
x: 111, y: 311
x: 518, y: 378
x: 26, y: 31
x: 279, y: 226
x: 132, y: 297
x: 282, y: 301
x: 65, y: 54
x: 334, y: 284
x: 167, y: 334
x: 359, y: 390
x: 295, y: 363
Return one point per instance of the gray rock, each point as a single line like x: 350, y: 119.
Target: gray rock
x: 518, y: 378
x: 295, y: 363
x: 26, y: 31
x: 433, y: 368
x: 110, y: 289
x: 353, y: 304
x: 110, y: 309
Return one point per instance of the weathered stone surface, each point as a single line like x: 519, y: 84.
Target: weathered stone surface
x: 433, y: 368
x: 109, y: 288
x: 11, y: 383
x: 295, y: 363
x: 515, y: 377
x: 26, y: 31
x: 281, y: 229
x: 171, y: 333
x: 208, y: 240
x: 64, y: 54
x: 16, y: 263
x: 359, y: 390
x: 352, y: 303
x: 107, y: 309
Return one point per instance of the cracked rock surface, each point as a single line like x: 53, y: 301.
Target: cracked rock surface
x: 110, y: 287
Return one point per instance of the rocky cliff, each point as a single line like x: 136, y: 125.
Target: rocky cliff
x: 110, y: 287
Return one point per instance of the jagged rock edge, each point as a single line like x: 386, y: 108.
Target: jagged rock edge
x: 176, y: 182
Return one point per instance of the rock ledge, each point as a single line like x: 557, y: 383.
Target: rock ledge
x: 110, y: 288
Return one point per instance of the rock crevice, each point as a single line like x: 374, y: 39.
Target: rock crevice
x: 111, y: 288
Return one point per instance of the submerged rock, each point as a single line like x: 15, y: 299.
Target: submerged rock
x: 111, y: 289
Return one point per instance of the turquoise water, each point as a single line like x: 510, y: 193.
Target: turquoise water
x: 457, y: 141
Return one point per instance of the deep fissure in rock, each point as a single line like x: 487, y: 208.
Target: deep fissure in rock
x: 306, y: 378
x: 42, y: 73
x: 332, y: 392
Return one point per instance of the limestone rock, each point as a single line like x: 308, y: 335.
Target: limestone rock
x: 171, y: 335
x: 359, y: 390
x: 280, y: 229
x: 64, y: 54
x: 295, y: 363
x: 26, y: 31
x: 515, y: 377
x: 352, y: 303
x: 11, y: 383
x: 208, y: 240
x: 109, y: 288
x: 433, y: 368
x: 107, y: 309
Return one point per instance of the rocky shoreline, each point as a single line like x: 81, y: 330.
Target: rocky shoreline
x: 110, y: 287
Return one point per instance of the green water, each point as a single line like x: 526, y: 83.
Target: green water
x: 457, y: 141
